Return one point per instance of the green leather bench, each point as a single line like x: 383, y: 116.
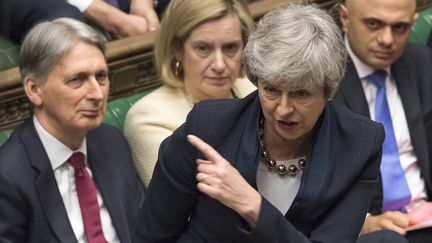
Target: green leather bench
x: 422, y: 27
x: 9, y: 53
x: 117, y: 109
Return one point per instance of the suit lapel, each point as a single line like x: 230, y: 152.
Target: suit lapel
x: 409, y: 93
x: 317, y: 171
x: 102, y: 168
x: 46, y: 185
x: 352, y: 92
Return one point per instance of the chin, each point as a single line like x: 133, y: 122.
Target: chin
x: 91, y: 124
x: 381, y: 63
x: 222, y: 92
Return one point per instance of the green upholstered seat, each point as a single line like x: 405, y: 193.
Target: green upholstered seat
x: 422, y: 27
x: 9, y: 53
x: 4, y: 135
x: 117, y: 109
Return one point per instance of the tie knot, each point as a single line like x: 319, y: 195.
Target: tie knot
x: 77, y: 160
x: 378, y: 78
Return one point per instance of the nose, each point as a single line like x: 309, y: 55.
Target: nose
x: 385, y: 36
x: 95, y: 90
x: 285, y: 106
x: 219, y: 62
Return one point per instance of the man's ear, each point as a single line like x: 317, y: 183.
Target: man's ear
x: 343, y: 15
x: 32, y: 90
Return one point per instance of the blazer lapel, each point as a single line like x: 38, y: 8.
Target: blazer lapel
x: 409, y: 94
x: 101, y: 166
x: 317, y: 170
x: 352, y: 92
x: 46, y: 185
x: 247, y: 149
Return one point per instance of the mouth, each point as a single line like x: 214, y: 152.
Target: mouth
x: 382, y: 54
x: 287, y: 125
x: 91, y: 112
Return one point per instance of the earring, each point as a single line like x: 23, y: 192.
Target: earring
x: 177, y: 68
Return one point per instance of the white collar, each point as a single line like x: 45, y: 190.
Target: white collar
x: 57, y: 152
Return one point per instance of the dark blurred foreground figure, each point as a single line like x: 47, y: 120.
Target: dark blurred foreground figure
x: 117, y: 18
x: 281, y: 165
x: 65, y: 177
x: 390, y: 81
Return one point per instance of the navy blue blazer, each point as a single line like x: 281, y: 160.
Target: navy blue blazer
x: 31, y: 207
x: 336, y: 186
x: 413, y: 76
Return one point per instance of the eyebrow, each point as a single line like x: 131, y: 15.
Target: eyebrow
x: 210, y: 42
x: 85, y: 74
x: 402, y: 22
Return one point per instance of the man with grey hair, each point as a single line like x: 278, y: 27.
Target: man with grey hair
x: 64, y: 176
x: 390, y: 81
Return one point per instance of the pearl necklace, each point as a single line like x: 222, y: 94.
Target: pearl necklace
x: 271, y: 163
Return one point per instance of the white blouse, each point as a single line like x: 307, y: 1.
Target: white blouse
x: 279, y: 190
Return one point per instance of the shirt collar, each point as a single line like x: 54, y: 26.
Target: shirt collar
x: 57, y: 152
x: 363, y: 70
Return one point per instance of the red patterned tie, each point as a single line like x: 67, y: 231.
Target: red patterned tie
x: 87, y: 197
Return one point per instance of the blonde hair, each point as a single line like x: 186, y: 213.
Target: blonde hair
x: 180, y: 19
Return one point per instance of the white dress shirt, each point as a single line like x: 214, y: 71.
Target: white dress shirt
x: 58, y: 154
x: 407, y: 154
x: 82, y: 5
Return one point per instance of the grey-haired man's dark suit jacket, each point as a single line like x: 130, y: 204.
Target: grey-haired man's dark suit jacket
x: 31, y: 207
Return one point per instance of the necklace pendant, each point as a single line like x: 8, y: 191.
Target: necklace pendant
x: 301, y: 163
x: 271, y: 163
x: 265, y: 154
x: 292, y: 170
x: 282, y: 169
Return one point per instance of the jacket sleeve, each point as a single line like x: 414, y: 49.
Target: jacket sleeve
x: 172, y: 193
x: 12, y: 212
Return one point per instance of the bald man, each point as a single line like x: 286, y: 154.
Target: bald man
x: 376, y: 36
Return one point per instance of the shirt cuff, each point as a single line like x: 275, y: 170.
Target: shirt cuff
x: 82, y: 5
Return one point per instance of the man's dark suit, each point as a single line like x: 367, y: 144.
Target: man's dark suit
x: 413, y: 75
x: 31, y: 208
